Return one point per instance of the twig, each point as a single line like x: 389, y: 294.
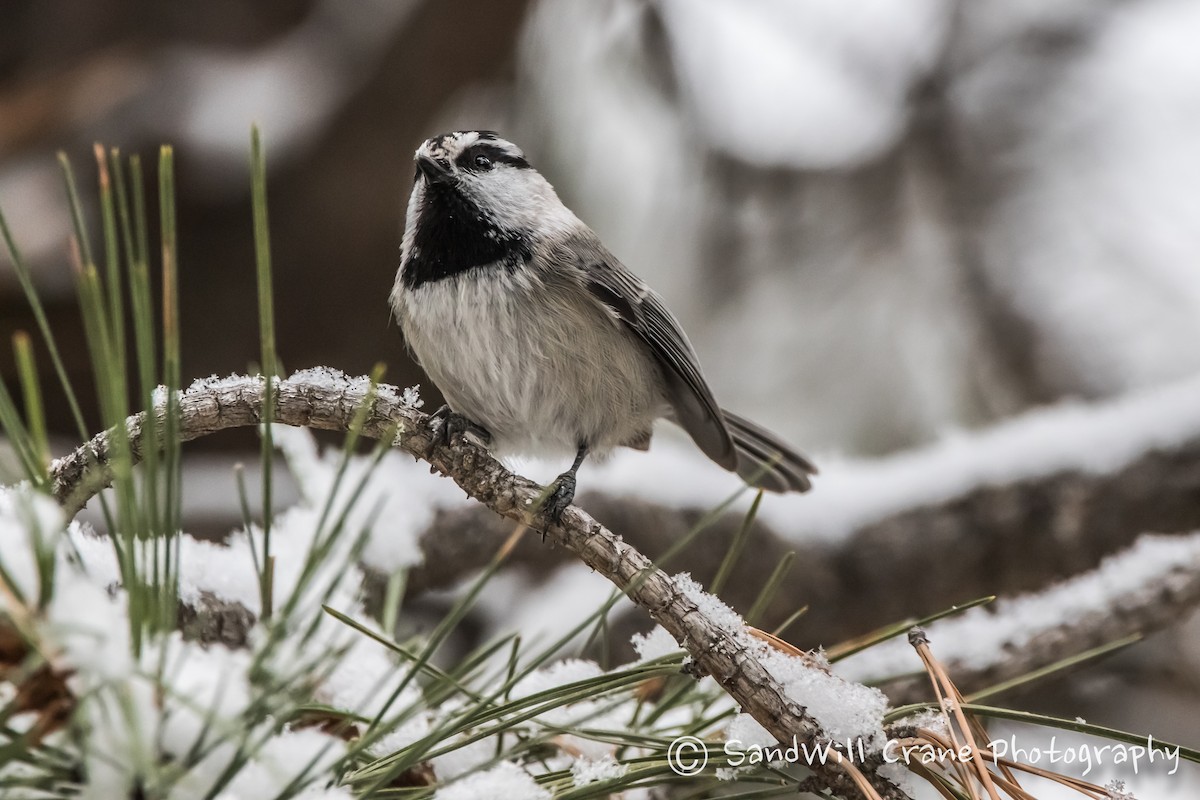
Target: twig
x: 327, y: 400
x: 950, y: 700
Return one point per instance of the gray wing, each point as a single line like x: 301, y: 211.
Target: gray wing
x: 641, y: 309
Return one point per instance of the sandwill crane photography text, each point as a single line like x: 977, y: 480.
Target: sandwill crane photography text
x: 689, y: 755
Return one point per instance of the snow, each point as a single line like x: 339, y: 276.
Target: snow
x: 215, y: 383
x: 311, y: 792
x: 655, y: 644
x: 121, y: 724
x: 611, y: 713
x: 138, y: 721
x: 397, y: 505
x: 585, y: 771
x: 1094, y: 242
x: 366, y: 677
x: 92, y: 629
x: 815, y: 85
x: 179, y: 701
x: 712, y: 607
x: 569, y: 670
x: 844, y: 710
x: 29, y: 523
x: 200, y: 713
x: 505, y: 780
x: 745, y: 730
x: 544, y: 608
x: 285, y: 757
x: 465, y: 760
x: 1154, y: 565
x: 402, y: 735
x: 327, y: 379
x: 1117, y: 791
x: 227, y: 572
x: 588, y: 759
x: 207, y: 685
x: 905, y: 780
x: 411, y: 397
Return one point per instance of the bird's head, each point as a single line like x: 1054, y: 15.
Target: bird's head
x: 477, y: 172
x: 476, y: 201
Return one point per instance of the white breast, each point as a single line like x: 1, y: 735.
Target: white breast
x: 539, y: 364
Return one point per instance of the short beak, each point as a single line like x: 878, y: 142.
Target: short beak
x: 434, y: 171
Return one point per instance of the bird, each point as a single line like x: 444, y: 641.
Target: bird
x: 540, y: 340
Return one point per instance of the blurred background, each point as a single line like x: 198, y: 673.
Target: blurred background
x: 878, y: 221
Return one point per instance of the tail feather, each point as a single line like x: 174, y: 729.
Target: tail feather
x: 766, y: 462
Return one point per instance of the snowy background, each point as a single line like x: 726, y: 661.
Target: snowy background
x: 895, y: 229
x: 878, y: 222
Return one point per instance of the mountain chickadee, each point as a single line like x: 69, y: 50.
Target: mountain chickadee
x: 539, y: 338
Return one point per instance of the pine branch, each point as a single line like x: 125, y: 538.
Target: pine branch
x: 327, y: 400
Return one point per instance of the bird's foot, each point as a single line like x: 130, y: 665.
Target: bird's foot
x: 563, y: 491
x: 560, y: 497
x: 452, y: 426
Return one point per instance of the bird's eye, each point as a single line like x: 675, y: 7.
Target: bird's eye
x: 483, y: 162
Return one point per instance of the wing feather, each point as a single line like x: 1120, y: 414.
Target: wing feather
x: 644, y: 313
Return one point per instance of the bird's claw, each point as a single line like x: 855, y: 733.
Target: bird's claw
x: 452, y: 426
x: 560, y: 497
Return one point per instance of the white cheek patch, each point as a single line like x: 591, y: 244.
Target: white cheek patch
x: 516, y: 199
x: 520, y: 200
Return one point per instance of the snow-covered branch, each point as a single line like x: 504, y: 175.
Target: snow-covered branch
x: 326, y: 399
x: 1147, y: 587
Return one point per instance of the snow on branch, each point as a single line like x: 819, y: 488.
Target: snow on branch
x: 1149, y: 586
x: 328, y: 400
